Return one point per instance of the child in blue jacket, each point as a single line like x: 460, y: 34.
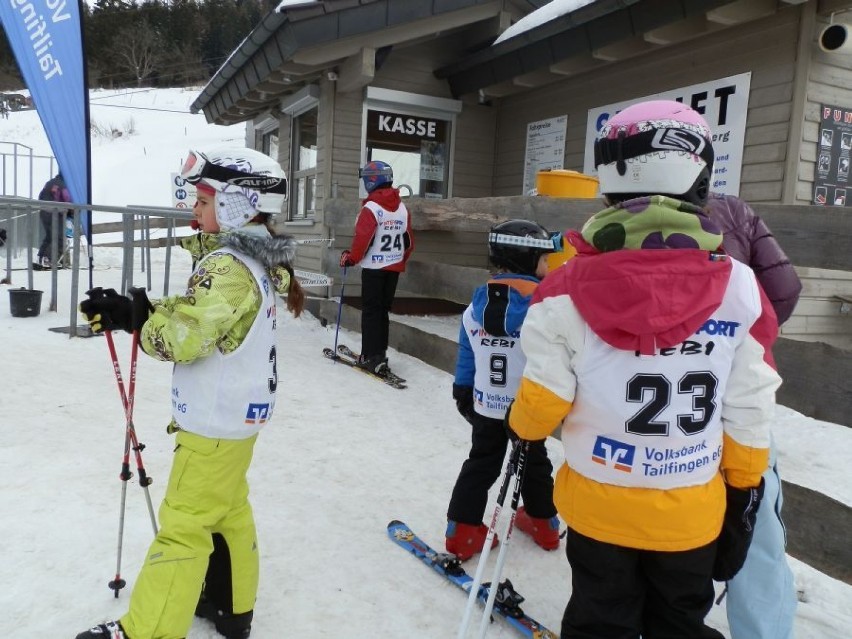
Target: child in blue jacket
x: 488, y: 370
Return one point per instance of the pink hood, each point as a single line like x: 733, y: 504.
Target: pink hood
x: 643, y: 299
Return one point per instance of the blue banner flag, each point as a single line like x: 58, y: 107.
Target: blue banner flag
x: 46, y: 37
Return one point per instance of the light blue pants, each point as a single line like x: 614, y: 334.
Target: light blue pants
x: 761, y: 599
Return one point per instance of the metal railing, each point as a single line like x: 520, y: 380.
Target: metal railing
x: 21, y: 169
x: 17, y: 215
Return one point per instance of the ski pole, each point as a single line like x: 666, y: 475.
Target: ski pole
x: 130, y: 440
x: 523, y: 447
x: 339, y: 310
x: 473, y: 595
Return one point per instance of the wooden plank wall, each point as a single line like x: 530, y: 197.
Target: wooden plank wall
x: 817, y: 240
x: 346, y: 140
x: 812, y: 236
x: 816, y: 379
x: 766, y: 48
x: 819, y: 315
x: 818, y: 530
x: 452, y: 231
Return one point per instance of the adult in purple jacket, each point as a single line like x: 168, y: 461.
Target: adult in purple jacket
x: 749, y: 240
x: 762, y: 596
x: 54, y: 190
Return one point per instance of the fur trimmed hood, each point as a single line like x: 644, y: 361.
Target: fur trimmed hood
x: 270, y: 250
x: 274, y: 252
x: 253, y: 240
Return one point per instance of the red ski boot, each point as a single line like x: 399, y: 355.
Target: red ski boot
x: 545, y: 532
x: 465, y: 540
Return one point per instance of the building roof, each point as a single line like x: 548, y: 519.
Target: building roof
x: 294, y: 46
x: 592, y: 35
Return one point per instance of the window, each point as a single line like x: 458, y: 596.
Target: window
x: 266, y: 135
x: 269, y: 144
x: 303, y: 109
x: 304, y: 183
x: 413, y: 133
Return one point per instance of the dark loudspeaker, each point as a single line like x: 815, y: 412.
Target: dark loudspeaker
x: 835, y: 39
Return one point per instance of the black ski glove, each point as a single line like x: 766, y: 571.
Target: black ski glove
x: 737, y: 530
x: 464, y: 401
x: 106, y: 310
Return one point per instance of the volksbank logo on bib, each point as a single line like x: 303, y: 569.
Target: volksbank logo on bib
x: 656, y: 461
x: 257, y: 413
x: 613, y: 453
x: 494, y: 401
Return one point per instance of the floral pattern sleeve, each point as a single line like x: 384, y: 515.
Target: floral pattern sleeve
x: 216, y: 311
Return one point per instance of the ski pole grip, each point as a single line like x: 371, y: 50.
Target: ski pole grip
x: 141, y: 309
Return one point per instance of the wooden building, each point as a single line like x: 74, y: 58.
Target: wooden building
x: 451, y: 93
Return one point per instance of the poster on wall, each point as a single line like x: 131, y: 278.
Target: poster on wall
x: 545, y: 148
x: 722, y: 102
x: 432, y: 160
x: 831, y: 175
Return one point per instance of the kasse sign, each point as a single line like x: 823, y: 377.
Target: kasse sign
x: 403, y: 129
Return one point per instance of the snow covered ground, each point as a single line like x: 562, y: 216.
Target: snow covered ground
x: 342, y: 457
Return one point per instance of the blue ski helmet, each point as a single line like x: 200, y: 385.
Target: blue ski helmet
x: 376, y: 174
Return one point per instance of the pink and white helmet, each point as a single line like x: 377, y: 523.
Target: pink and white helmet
x: 659, y: 147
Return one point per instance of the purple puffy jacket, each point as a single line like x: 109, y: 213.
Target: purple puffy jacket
x: 749, y: 240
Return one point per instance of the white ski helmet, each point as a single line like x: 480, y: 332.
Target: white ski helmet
x: 659, y: 147
x: 246, y: 182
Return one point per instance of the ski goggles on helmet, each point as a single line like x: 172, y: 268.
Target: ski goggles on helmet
x: 373, y: 171
x: 547, y: 245
x: 689, y: 139
x: 198, y: 166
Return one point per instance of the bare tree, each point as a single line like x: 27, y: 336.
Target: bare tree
x: 136, y: 50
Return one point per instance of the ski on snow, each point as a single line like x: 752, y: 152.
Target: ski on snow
x: 507, y: 604
x: 344, y: 355
x: 343, y: 349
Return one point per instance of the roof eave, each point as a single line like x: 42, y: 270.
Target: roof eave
x: 252, y: 43
x: 279, y: 40
x: 583, y: 31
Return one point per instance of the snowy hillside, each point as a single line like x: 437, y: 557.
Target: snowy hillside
x: 140, y: 137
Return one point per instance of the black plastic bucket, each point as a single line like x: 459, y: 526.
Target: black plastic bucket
x: 24, y: 302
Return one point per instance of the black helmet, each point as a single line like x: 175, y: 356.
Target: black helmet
x: 517, y: 245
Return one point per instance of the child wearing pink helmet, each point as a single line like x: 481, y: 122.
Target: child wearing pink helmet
x: 651, y: 349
